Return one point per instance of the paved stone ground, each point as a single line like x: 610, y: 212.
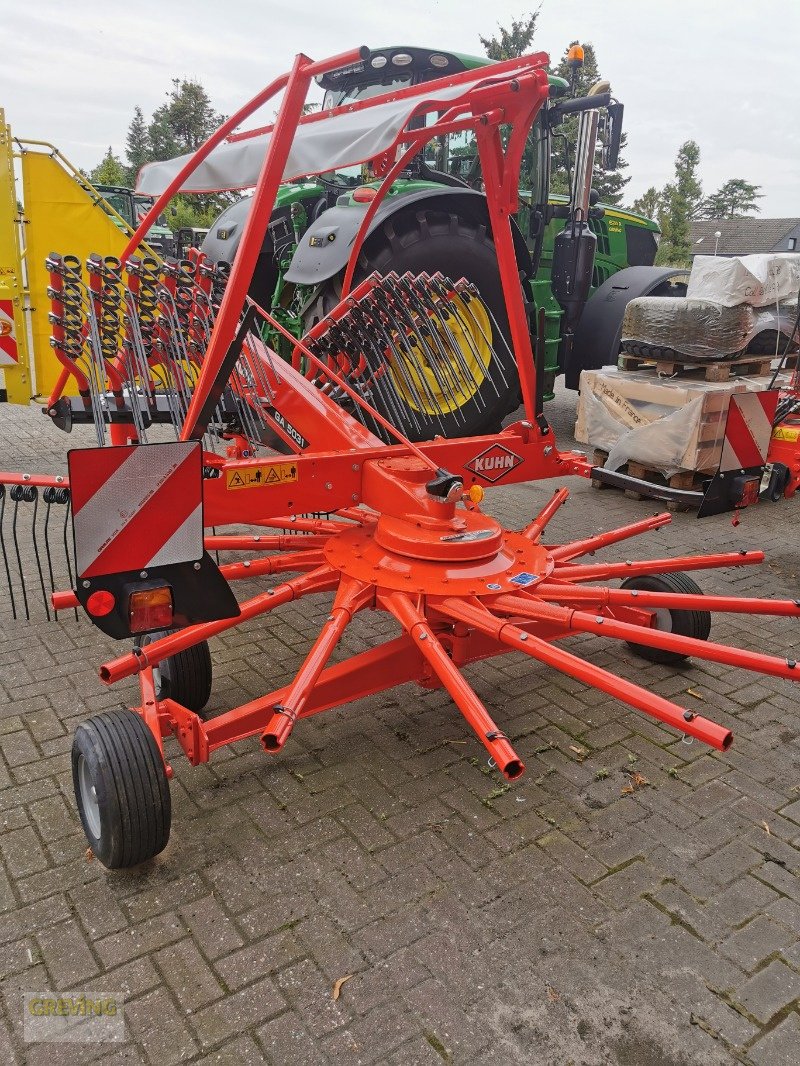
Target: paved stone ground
x: 558, y: 920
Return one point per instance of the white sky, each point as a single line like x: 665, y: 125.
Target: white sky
x: 725, y: 73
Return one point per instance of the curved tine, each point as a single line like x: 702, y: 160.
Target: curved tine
x: 495, y: 741
x: 640, y: 698
x: 605, y: 626
x: 351, y: 597
x: 5, y: 553
x: 565, y: 552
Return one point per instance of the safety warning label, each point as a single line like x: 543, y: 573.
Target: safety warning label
x: 254, y: 477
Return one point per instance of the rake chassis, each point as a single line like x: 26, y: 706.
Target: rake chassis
x: 404, y: 532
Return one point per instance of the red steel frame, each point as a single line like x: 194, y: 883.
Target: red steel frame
x: 450, y: 576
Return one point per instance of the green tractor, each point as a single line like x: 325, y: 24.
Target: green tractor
x: 434, y: 218
x: 133, y: 206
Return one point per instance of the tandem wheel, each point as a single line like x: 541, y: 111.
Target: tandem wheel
x: 695, y: 624
x: 184, y: 677
x: 121, y: 788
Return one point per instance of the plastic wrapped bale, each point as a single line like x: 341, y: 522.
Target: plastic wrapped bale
x: 776, y: 327
x: 758, y: 280
x: 675, y: 328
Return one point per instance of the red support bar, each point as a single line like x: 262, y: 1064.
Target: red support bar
x: 535, y: 529
x: 686, y: 721
x: 495, y: 742
x: 606, y: 626
x: 609, y: 571
x: 565, y: 552
x: 351, y: 597
x: 321, y: 580
x: 642, y: 600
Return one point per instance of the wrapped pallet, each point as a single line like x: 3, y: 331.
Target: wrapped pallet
x: 665, y: 425
x: 679, y: 328
x: 757, y: 280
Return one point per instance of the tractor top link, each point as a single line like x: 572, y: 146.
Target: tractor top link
x: 347, y: 456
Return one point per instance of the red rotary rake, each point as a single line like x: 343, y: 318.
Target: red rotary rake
x: 403, y: 531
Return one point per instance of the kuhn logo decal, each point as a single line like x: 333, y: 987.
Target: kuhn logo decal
x: 494, y: 463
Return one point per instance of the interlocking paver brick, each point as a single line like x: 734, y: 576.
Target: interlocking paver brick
x: 769, y: 991
x: 375, y: 846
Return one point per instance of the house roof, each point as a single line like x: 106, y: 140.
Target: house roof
x: 739, y: 236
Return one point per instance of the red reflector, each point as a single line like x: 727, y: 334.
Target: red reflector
x: 150, y: 609
x: 750, y: 492
x: 364, y: 195
x: 100, y: 603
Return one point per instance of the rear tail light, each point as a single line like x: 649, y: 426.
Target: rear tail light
x: 150, y: 609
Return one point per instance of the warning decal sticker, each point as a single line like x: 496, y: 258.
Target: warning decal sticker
x: 255, y: 477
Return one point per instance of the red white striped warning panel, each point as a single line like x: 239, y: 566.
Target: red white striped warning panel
x: 748, y: 430
x: 9, y: 353
x: 136, y: 506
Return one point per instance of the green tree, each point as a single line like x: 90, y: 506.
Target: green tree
x: 681, y: 200
x: 137, y: 145
x: 734, y: 199
x: 609, y: 184
x: 512, y: 42
x: 649, y: 203
x: 184, y: 121
x: 109, y: 171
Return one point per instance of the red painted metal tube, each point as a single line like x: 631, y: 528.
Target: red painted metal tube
x: 321, y: 580
x: 535, y: 529
x: 565, y: 552
x: 495, y: 742
x: 631, y: 568
x: 219, y: 135
x: 42, y: 481
x: 606, y: 626
x: 642, y: 600
x: 351, y: 597
x: 255, y: 227
x: 278, y: 543
x: 656, y: 706
x: 242, y: 571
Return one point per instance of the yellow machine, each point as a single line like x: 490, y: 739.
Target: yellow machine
x: 59, y: 208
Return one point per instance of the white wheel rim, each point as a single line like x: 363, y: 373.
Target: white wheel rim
x: 662, y: 619
x: 91, y: 808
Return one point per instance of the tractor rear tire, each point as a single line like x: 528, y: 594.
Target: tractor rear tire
x: 184, y: 677
x: 434, y: 240
x: 695, y: 624
x: 121, y: 788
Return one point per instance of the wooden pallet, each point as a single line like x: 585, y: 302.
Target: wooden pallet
x: 747, y: 366
x: 681, y: 479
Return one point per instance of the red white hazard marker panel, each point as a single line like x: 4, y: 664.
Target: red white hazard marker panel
x: 748, y: 430
x: 136, y: 506
x: 9, y: 353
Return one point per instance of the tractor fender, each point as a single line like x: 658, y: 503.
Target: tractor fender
x: 599, y: 330
x: 223, y: 238
x: 325, y: 247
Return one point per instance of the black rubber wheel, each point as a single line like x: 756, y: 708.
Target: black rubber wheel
x: 121, y: 788
x: 433, y: 240
x: 695, y: 624
x: 184, y: 677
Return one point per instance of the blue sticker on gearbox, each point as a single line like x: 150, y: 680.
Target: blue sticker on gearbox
x: 524, y: 579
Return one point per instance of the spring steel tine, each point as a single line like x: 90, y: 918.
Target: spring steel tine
x: 405, y: 414
x: 417, y: 340
x: 65, y: 535
x: 442, y: 313
x: 421, y: 301
x: 377, y: 318
x: 48, y: 495
x: 471, y: 290
x: 5, y: 553
x: 440, y: 289
x: 413, y: 357
x: 384, y: 385
x: 19, y: 492
x: 442, y: 369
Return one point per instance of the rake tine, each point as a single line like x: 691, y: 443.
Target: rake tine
x: 17, y: 493
x: 5, y: 553
x: 65, y: 535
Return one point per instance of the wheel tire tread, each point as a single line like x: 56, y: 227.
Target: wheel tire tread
x: 695, y: 624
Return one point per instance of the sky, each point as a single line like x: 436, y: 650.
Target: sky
x: 724, y: 73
